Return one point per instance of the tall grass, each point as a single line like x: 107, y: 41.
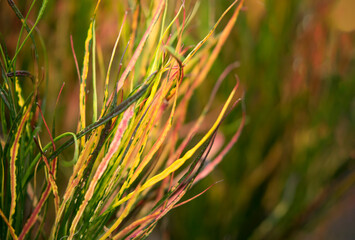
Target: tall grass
x: 131, y: 162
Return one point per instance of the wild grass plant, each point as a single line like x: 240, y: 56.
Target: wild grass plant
x: 131, y: 163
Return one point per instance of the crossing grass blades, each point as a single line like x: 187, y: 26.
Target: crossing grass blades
x: 131, y: 164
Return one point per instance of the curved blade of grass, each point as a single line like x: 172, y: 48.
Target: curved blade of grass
x: 76, y: 152
x: 29, y: 172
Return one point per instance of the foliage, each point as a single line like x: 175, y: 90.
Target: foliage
x: 131, y: 161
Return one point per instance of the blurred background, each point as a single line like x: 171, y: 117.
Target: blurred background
x: 291, y: 174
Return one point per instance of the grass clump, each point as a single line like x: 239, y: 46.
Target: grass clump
x: 131, y: 165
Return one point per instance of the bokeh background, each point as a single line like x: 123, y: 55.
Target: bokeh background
x: 291, y: 174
